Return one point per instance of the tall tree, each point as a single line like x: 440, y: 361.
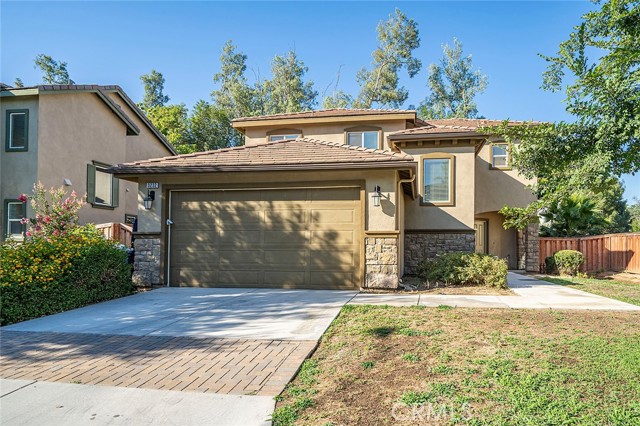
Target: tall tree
x: 603, y: 96
x: 53, y: 72
x: 287, y: 91
x: 234, y: 94
x: 634, y: 211
x: 453, y: 85
x: 173, y: 122
x: 398, y: 37
x: 210, y: 128
x: 338, y: 99
x: 153, y: 91
x: 18, y: 82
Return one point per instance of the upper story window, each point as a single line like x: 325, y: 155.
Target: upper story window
x: 500, y: 155
x: 17, y: 137
x: 364, y: 138
x: 275, y: 138
x: 437, y: 180
x: 283, y: 134
x: 102, y: 187
x: 14, y: 213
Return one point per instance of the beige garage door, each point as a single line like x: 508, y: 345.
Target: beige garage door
x: 284, y: 238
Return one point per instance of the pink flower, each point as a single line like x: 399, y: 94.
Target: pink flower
x: 74, y: 194
x: 29, y: 234
x: 47, y: 219
x: 55, y: 232
x: 23, y: 198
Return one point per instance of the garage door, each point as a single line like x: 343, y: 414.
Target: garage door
x: 281, y: 238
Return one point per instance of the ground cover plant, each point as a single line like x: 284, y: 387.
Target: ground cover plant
x: 412, y: 365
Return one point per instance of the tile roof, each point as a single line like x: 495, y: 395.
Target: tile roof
x: 101, y: 91
x: 291, y: 154
x: 325, y: 113
x: 454, y: 125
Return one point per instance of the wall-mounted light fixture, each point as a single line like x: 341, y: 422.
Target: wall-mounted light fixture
x: 376, y: 196
x: 148, y: 200
x: 67, y: 182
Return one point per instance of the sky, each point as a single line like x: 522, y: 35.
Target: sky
x: 116, y: 42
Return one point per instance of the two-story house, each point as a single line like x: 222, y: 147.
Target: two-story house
x: 342, y: 198
x: 69, y: 135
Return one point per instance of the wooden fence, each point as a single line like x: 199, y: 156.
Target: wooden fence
x: 117, y: 232
x: 612, y: 252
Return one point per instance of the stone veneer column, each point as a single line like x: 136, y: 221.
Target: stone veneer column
x: 147, y: 260
x: 529, y: 248
x: 381, y: 262
x: 424, y: 246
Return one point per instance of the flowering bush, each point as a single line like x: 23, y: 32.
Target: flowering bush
x: 43, y: 276
x: 55, y: 214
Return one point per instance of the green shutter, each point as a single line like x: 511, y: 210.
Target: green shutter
x: 115, y: 191
x: 91, y: 183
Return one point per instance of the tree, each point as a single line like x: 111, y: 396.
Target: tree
x: 53, y: 72
x: 210, y: 128
x: 18, y: 82
x: 153, y: 91
x: 287, y: 91
x: 173, y: 122
x: 634, y: 212
x: 453, y: 85
x: 338, y: 99
x: 576, y: 215
x: 603, y: 96
x: 234, y: 93
x: 398, y: 37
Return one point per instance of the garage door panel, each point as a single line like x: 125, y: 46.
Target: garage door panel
x: 301, y: 238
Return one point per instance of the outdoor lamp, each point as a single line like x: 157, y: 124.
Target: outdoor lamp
x: 376, y: 196
x: 148, y: 200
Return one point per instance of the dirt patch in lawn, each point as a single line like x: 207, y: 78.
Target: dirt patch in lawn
x: 411, y: 365
x: 421, y: 288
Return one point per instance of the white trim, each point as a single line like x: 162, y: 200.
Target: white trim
x: 169, y: 243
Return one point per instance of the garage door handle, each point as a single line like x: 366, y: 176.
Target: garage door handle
x: 169, y: 222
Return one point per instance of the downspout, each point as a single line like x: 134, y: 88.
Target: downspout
x: 399, y: 226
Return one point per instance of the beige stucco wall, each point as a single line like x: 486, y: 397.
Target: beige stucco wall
x: 76, y: 129
x: 497, y: 187
x: 381, y: 218
x: 500, y: 242
x: 460, y: 215
x: 330, y: 132
x: 18, y: 170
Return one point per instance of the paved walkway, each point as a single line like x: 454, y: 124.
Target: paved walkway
x: 530, y: 293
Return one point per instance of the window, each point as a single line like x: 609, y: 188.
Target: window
x: 368, y: 139
x: 275, y: 138
x: 102, y: 187
x: 14, y: 213
x: 500, y: 155
x: 17, y: 130
x: 437, y: 180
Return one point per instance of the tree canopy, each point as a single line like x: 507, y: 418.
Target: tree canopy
x: 153, y: 91
x: 53, y: 72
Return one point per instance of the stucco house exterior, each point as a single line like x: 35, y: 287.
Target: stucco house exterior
x: 342, y: 198
x: 69, y: 135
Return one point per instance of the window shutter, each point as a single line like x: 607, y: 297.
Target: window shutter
x: 115, y: 191
x: 91, y: 183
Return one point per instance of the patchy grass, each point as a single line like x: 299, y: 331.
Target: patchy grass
x: 619, y: 290
x: 484, y: 367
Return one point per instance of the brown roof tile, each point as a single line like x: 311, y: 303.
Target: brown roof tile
x: 454, y: 125
x: 292, y: 154
x: 325, y: 113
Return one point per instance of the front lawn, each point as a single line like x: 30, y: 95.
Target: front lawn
x: 619, y: 290
x: 380, y: 365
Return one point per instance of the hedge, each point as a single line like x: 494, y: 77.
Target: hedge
x: 568, y: 262
x: 43, y: 276
x: 463, y: 268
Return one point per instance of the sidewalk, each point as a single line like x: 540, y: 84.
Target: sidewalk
x: 531, y: 293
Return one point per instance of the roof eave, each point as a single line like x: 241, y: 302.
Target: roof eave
x: 244, y: 124
x: 435, y: 136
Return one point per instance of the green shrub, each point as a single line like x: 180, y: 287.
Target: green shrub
x: 568, y: 262
x: 43, y: 276
x: 550, y: 265
x: 465, y: 269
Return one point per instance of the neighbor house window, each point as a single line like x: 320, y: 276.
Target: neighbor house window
x: 500, y: 155
x: 437, y: 180
x: 17, y: 130
x: 367, y: 139
x: 102, y: 187
x: 275, y: 138
x: 14, y: 213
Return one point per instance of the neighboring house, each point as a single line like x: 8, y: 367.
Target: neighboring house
x: 68, y: 135
x: 342, y: 198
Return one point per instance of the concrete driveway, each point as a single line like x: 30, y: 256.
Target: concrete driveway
x: 184, y: 356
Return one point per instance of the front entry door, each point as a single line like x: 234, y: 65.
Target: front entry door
x: 481, y: 236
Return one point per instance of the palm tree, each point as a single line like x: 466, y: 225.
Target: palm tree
x: 577, y: 215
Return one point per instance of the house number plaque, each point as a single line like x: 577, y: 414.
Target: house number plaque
x: 153, y: 185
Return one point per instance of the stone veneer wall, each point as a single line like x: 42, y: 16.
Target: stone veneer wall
x: 529, y: 249
x: 381, y: 262
x: 147, y: 261
x: 421, y: 246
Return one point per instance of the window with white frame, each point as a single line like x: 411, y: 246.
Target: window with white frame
x: 102, y: 187
x: 275, y: 138
x: 364, y: 139
x: 14, y: 213
x: 17, y: 130
x: 500, y: 155
x: 436, y: 176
